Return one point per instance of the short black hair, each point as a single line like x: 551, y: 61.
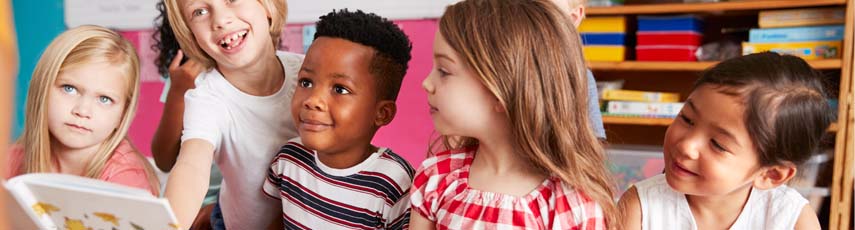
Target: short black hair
x: 786, y: 110
x: 392, y: 46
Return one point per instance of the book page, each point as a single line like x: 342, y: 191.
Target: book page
x: 71, y: 202
x: 13, y: 201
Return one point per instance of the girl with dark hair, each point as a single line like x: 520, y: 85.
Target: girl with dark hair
x: 746, y: 126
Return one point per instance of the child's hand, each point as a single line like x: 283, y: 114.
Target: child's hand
x: 203, y: 219
x: 182, y: 76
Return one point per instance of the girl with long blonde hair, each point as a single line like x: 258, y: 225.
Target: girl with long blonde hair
x: 508, y: 94
x: 80, y: 104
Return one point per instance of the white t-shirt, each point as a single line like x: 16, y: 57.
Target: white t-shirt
x: 664, y: 208
x: 246, y: 132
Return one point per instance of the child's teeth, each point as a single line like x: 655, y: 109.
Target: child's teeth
x: 235, y: 36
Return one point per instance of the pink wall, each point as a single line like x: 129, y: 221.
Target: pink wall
x: 408, y: 134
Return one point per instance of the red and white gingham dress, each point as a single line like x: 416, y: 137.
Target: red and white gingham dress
x: 441, y: 193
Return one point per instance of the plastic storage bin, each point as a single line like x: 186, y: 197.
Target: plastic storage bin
x: 633, y: 163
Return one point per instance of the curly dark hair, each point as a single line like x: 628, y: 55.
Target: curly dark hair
x: 165, y: 43
x: 391, y: 44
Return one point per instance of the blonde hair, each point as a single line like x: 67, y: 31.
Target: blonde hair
x: 71, y: 49
x: 529, y: 55
x: 277, y: 9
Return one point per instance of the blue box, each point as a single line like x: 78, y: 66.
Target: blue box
x: 797, y: 34
x: 670, y: 23
x: 603, y: 39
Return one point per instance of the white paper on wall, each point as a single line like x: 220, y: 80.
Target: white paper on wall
x: 115, y: 14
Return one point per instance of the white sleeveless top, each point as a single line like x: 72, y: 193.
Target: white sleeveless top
x: 664, y: 208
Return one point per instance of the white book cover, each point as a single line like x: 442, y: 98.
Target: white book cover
x: 60, y: 201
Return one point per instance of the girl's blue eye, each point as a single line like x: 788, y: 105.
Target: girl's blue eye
x: 69, y: 89
x: 341, y: 90
x: 200, y: 12
x: 105, y: 100
x: 305, y: 83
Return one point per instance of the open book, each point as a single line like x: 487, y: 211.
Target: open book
x: 60, y: 201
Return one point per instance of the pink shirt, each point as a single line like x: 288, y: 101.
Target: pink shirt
x: 125, y: 167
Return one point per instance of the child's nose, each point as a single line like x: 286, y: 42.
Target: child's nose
x: 689, y: 147
x: 82, y: 109
x: 314, y: 102
x: 222, y: 18
x: 427, y: 86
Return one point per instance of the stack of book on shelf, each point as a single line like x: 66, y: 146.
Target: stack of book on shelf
x: 668, y: 38
x: 603, y: 38
x: 808, y: 33
x: 631, y: 103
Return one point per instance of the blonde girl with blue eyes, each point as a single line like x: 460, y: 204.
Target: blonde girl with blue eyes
x: 80, y: 104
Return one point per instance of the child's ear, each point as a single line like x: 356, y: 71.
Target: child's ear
x: 577, y: 14
x: 386, y: 110
x: 773, y: 176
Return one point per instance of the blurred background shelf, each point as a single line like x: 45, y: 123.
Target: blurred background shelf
x: 709, y: 7
x: 613, y: 120
x: 687, y: 66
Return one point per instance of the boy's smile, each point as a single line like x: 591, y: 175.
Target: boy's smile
x: 336, y: 102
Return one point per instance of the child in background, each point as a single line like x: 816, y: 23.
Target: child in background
x: 81, y: 101
x: 234, y: 116
x: 746, y: 126
x: 332, y: 177
x: 575, y: 9
x: 180, y: 73
x: 507, y: 83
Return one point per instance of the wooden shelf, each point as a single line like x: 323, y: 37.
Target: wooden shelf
x: 637, y: 121
x: 687, y: 66
x: 612, y: 120
x: 709, y: 7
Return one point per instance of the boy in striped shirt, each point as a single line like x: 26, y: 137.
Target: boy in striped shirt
x: 331, y: 177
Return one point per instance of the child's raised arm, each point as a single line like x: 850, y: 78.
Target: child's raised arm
x: 167, y: 138
x: 188, y: 181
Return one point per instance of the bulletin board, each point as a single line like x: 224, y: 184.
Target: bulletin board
x: 307, y: 11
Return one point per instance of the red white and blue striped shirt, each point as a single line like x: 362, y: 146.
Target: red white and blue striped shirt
x: 373, y: 194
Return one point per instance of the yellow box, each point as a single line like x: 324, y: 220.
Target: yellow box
x: 615, y: 24
x: 604, y: 53
x: 634, y: 95
x: 813, y: 50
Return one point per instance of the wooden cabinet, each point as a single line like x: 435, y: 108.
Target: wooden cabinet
x: 679, y: 77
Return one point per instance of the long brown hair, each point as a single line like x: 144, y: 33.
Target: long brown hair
x: 74, y: 48
x: 529, y: 55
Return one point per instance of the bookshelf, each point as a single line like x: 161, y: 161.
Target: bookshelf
x: 682, y: 8
x: 662, y: 121
x: 679, y: 76
x: 687, y: 66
